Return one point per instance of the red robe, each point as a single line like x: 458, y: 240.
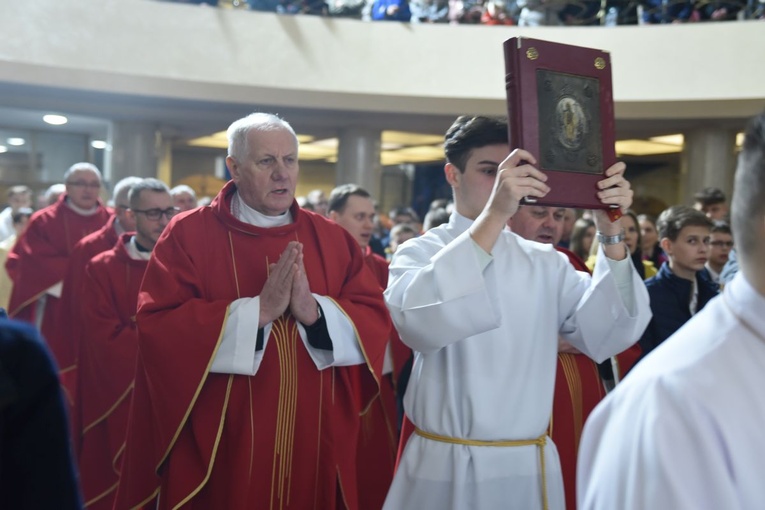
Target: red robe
x: 68, y: 317
x: 378, y: 440
x: 108, y: 350
x: 284, y: 438
x: 39, y: 260
x: 578, y: 389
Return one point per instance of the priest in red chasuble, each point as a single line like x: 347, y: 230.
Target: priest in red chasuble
x: 352, y: 208
x: 69, y: 317
x: 261, y: 338
x: 578, y: 386
x: 109, y: 342
x: 38, y: 262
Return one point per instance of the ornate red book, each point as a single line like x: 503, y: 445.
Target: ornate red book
x: 560, y: 108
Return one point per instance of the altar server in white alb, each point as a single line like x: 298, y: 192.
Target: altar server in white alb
x: 483, y: 308
x: 684, y: 429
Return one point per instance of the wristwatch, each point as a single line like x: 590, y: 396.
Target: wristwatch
x: 607, y: 240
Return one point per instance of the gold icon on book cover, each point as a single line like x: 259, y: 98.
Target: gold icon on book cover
x: 569, y: 110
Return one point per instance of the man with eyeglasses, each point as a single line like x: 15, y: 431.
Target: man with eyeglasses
x: 109, y: 340
x: 261, y: 341
x: 720, y: 246
x: 39, y: 261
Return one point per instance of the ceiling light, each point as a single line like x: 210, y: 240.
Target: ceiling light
x: 16, y: 141
x: 56, y: 120
x: 677, y: 139
x: 98, y: 144
x: 644, y: 148
x: 3, y: 148
x: 407, y: 138
x: 219, y: 140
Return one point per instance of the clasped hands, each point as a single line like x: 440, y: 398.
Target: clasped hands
x: 287, y: 287
x: 518, y: 178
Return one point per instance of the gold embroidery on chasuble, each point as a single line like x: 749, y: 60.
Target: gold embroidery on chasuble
x: 284, y: 336
x: 574, y: 381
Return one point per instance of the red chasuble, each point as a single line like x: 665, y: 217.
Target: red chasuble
x: 378, y: 440
x: 108, y: 349
x: 68, y: 317
x: 39, y: 260
x: 578, y: 389
x: 285, y: 438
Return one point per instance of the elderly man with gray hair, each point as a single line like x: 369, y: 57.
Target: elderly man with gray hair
x: 261, y: 338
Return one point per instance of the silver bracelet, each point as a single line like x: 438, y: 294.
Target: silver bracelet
x: 608, y: 240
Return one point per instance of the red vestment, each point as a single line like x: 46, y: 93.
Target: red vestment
x: 378, y: 440
x: 283, y: 438
x: 108, y: 350
x: 40, y: 260
x: 578, y: 389
x: 68, y: 317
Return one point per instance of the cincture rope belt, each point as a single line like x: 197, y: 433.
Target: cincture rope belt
x: 540, y: 442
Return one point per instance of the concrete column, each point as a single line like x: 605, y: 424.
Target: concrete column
x: 358, y: 159
x: 708, y: 159
x: 134, y: 149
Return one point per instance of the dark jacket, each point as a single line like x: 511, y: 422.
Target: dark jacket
x: 670, y: 303
x: 36, y: 469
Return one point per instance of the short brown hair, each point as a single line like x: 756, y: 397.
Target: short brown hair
x: 677, y: 217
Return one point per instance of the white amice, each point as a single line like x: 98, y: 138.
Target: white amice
x: 485, y: 330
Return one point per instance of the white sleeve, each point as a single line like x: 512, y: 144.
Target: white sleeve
x: 653, y: 447
x: 432, y: 304
x: 606, y: 314
x: 346, y: 349
x: 236, y: 353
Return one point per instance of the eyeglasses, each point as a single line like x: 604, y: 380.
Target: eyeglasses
x: 155, y: 214
x: 727, y: 244
x: 84, y: 184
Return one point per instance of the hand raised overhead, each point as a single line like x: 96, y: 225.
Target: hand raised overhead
x: 516, y: 178
x: 614, y: 190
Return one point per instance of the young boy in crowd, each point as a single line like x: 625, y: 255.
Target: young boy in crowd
x: 720, y: 245
x: 682, y: 287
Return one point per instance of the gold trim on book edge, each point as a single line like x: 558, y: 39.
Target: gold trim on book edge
x: 600, y: 63
x: 196, y: 393
x: 365, y: 408
x: 110, y: 410
x: 215, y: 446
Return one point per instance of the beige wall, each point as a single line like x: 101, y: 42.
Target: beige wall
x: 183, y: 51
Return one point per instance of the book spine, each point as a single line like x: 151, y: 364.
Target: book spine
x: 512, y: 89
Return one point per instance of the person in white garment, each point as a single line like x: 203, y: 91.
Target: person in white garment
x: 482, y: 308
x: 684, y: 429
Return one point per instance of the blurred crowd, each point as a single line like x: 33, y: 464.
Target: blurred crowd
x: 514, y: 12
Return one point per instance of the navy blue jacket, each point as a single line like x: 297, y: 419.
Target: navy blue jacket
x: 670, y: 303
x: 36, y: 468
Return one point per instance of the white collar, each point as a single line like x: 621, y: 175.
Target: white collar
x: 79, y: 210
x: 247, y: 214
x: 746, y: 302
x: 134, y: 253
